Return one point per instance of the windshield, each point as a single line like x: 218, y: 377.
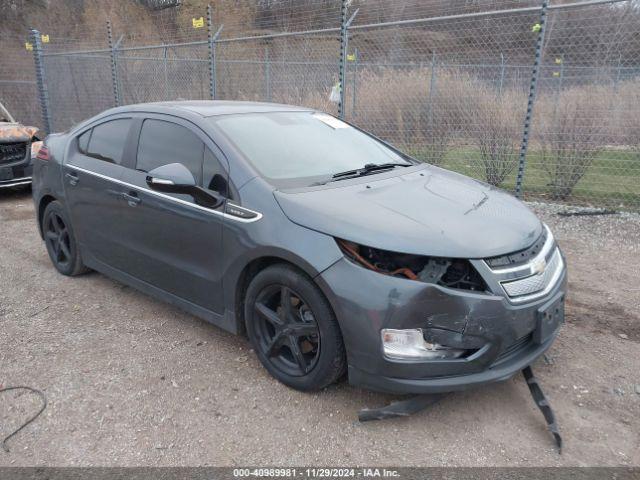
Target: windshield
x: 304, y: 146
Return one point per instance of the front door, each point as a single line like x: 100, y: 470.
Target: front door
x: 173, y: 243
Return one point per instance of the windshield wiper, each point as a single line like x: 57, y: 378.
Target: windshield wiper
x: 367, y: 169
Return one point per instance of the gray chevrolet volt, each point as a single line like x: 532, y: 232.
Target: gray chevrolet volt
x: 332, y: 251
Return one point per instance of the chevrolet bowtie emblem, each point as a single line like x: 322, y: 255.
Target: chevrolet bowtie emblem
x: 538, y: 267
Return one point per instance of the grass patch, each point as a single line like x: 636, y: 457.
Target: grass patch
x: 613, y: 179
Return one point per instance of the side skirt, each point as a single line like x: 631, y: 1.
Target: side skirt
x: 226, y: 322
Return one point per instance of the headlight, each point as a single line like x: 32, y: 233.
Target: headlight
x: 446, y: 272
x: 410, y: 344
x: 35, y: 148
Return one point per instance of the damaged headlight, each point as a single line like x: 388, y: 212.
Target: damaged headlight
x: 410, y: 344
x: 447, y: 272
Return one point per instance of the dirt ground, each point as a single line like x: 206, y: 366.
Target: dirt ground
x: 133, y: 381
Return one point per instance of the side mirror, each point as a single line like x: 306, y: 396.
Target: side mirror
x: 171, y: 178
x: 176, y: 178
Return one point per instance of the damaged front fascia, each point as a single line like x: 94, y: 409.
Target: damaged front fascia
x: 415, y: 267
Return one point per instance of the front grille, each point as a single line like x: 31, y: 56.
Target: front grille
x: 534, y: 278
x: 535, y: 283
x: 12, y: 152
x: 514, y: 347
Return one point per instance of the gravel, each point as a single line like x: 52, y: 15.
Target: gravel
x: 133, y: 381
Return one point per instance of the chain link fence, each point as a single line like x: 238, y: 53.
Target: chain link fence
x: 18, y: 89
x: 541, y: 98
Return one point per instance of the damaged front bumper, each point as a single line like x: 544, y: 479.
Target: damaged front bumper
x: 16, y: 166
x: 16, y: 173
x: 501, y: 337
x: 15, y: 176
x: 17, y: 179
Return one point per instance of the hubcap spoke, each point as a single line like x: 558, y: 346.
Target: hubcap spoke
x: 51, y: 236
x: 275, y: 345
x: 297, y: 353
x: 303, y: 329
x: 268, y: 314
x: 285, y: 301
x: 64, y: 250
x: 59, y: 224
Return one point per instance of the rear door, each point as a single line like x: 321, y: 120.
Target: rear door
x: 173, y: 243
x: 92, y: 173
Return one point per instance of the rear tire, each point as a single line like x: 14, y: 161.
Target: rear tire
x: 293, y: 329
x: 60, y: 241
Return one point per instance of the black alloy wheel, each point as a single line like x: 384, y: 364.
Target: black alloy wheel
x: 293, y: 328
x: 287, y: 330
x: 60, y: 241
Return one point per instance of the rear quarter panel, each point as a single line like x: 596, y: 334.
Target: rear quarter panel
x: 47, y: 174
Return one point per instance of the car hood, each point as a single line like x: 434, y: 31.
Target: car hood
x: 425, y: 211
x: 16, y: 132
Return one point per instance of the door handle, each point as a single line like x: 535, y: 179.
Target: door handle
x: 73, y: 178
x: 131, y: 198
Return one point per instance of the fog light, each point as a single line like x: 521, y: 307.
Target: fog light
x: 410, y: 344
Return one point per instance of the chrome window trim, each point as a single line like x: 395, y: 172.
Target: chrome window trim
x: 173, y: 199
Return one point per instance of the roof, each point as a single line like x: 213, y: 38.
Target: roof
x: 210, y: 108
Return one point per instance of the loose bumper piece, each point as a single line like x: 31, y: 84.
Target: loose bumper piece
x: 417, y: 403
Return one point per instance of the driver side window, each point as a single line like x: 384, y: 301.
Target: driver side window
x: 164, y: 142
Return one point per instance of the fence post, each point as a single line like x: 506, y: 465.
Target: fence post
x: 212, y: 37
x: 618, y: 71
x: 533, y: 89
x: 114, y: 65
x: 432, y: 86
x: 41, y: 81
x: 166, y: 73
x: 344, y: 44
x: 343, y: 55
x: 355, y: 82
x: 267, y: 72
x: 501, y: 73
x: 212, y: 55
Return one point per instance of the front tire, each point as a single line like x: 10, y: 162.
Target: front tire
x: 293, y: 329
x: 60, y: 241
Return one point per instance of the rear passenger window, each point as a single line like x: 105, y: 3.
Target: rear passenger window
x: 83, y: 141
x: 162, y: 143
x: 108, y: 140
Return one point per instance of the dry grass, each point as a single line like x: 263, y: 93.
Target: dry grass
x: 499, y: 135
x: 399, y: 107
x: 571, y: 131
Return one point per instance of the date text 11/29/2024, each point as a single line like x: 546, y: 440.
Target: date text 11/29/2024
x: 316, y: 472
